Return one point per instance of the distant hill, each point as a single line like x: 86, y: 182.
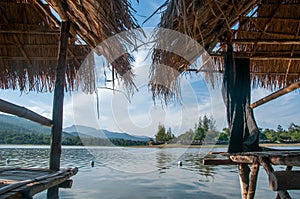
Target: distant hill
x: 84, y: 131
x: 16, y: 124
x: 21, y: 125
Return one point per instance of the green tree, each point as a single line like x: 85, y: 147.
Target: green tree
x: 161, y: 134
x: 224, y: 135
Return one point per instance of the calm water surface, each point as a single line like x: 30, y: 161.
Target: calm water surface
x: 139, y: 173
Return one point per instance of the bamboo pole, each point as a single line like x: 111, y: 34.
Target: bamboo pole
x: 57, y: 113
x: 276, y: 94
x: 20, y: 111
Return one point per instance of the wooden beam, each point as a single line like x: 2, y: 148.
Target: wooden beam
x: 267, y: 41
x: 284, y: 180
x: 269, y: 169
x: 266, y: 57
x: 281, y: 19
x: 267, y: 24
x: 20, y: 111
x: 58, y: 7
x: 216, y: 161
x: 17, y: 40
x: 276, y: 94
x: 40, y: 58
x: 57, y: 112
x: 32, y: 32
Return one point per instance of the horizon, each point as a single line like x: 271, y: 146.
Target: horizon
x: 281, y: 111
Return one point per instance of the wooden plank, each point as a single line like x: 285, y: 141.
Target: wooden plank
x: 20, y: 111
x: 242, y: 159
x: 276, y: 94
x: 284, y: 180
x: 38, y: 184
x: 217, y: 161
x: 57, y: 112
x: 50, y: 176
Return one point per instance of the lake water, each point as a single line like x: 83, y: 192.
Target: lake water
x: 139, y: 173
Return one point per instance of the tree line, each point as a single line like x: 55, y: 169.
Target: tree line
x: 205, y: 132
x: 12, y: 137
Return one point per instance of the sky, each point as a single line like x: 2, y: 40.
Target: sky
x: 140, y: 116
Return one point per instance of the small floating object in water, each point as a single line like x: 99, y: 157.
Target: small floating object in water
x: 179, y: 163
x: 92, y: 163
x: 7, y: 161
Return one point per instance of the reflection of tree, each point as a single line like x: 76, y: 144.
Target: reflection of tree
x: 163, y: 161
x: 195, y: 164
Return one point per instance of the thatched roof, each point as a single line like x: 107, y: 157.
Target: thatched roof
x: 29, y: 38
x: 266, y: 31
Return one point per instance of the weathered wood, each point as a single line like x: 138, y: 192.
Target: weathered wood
x: 276, y: 94
x: 66, y: 184
x: 35, y: 32
x: 265, y: 162
x: 217, y: 161
x: 57, y: 112
x: 20, y: 111
x: 32, y: 181
x: 244, y: 179
x: 284, y: 180
x: 267, y: 41
x: 253, y: 180
x: 242, y: 159
x: 52, y: 193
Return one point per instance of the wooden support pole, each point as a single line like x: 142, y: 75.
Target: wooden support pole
x: 57, y: 112
x: 253, y: 180
x: 284, y: 180
x: 276, y: 94
x: 20, y: 111
x: 244, y: 179
x: 52, y: 193
x: 269, y: 169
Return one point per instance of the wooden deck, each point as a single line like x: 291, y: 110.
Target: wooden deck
x: 279, y: 181
x: 24, y: 182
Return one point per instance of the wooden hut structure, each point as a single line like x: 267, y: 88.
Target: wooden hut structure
x: 252, y: 42
x: 42, y: 45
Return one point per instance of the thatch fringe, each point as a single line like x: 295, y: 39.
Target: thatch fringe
x: 29, y: 40
x: 215, y: 23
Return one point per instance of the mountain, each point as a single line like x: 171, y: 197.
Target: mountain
x: 84, y: 131
x: 16, y: 124
x: 9, y: 123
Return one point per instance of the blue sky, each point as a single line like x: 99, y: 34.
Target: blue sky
x: 141, y: 117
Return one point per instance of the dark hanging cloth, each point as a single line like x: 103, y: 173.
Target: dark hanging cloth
x: 244, y: 133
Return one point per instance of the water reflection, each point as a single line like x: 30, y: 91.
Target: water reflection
x: 136, y: 172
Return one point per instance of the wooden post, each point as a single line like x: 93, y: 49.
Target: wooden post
x: 52, y: 193
x: 57, y: 112
x: 265, y: 162
x: 284, y: 180
x: 253, y: 180
x: 244, y: 179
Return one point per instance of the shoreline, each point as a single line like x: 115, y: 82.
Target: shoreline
x: 209, y: 146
